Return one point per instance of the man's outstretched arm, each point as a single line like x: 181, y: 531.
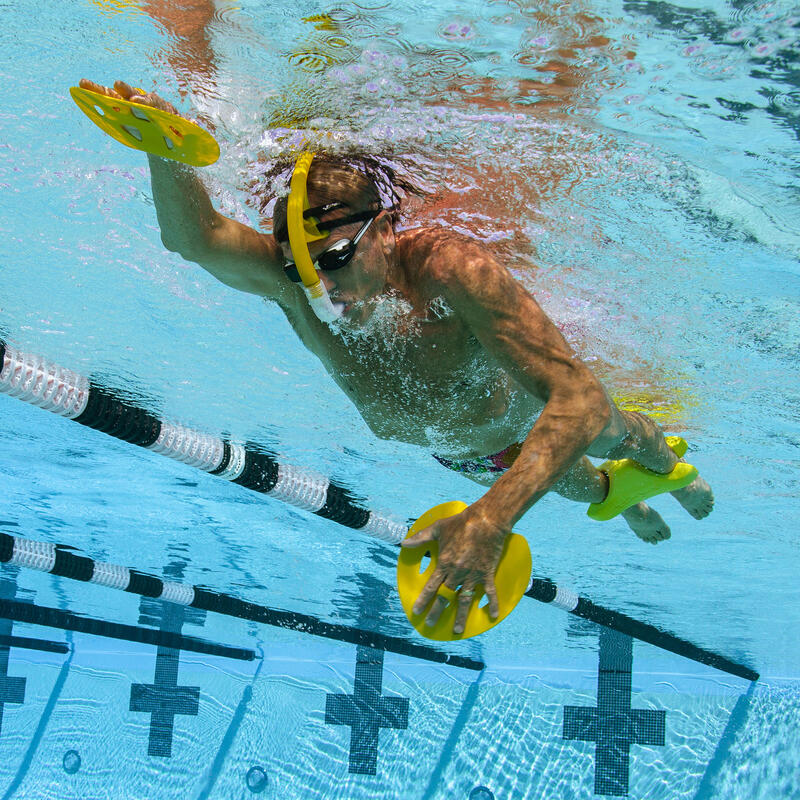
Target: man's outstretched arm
x: 232, y: 252
x: 512, y: 327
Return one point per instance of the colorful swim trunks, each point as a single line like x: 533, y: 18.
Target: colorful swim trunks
x: 499, y: 462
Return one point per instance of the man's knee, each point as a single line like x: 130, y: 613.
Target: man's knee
x: 614, y: 437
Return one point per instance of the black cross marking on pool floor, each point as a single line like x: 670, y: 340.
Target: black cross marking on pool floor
x: 366, y: 711
x: 614, y: 726
x: 12, y: 690
x: 164, y: 699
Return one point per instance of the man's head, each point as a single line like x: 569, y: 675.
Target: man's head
x: 353, y: 260
x: 331, y: 181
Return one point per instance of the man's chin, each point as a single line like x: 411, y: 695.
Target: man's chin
x: 354, y: 316
x: 358, y: 311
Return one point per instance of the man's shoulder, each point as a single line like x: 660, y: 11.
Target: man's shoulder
x: 442, y: 254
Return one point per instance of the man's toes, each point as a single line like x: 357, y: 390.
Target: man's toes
x: 660, y: 533
x: 697, y: 498
x: 702, y: 509
x: 653, y: 534
x: 706, y: 508
x: 647, y: 524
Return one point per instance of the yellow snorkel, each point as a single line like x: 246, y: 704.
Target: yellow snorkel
x: 301, y: 232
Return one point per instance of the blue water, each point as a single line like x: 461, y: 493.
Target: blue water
x: 643, y: 156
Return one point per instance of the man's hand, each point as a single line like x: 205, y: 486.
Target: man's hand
x: 124, y: 92
x: 470, y: 546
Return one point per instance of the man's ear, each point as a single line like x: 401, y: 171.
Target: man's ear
x: 385, y: 231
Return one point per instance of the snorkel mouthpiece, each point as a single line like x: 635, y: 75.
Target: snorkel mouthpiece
x: 301, y: 232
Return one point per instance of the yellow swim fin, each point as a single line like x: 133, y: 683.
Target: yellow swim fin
x: 629, y: 482
x: 511, y: 579
x: 148, y: 129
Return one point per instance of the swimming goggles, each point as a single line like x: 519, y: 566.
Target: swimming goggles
x: 341, y: 253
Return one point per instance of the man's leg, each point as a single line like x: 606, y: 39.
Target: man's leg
x: 584, y: 483
x: 632, y: 435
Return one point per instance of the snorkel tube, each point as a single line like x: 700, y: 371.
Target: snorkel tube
x: 301, y: 232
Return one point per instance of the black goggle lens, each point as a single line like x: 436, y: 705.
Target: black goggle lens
x: 335, y: 257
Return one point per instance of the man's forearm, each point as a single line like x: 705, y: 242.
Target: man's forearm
x: 561, y: 436
x: 185, y: 214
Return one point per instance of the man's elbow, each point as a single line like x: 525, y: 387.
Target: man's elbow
x: 185, y: 248
x: 597, y: 409
x: 185, y: 237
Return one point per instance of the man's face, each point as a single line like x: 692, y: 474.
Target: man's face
x: 364, y: 276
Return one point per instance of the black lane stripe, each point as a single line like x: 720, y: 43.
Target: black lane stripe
x: 6, y: 548
x: 26, y: 643
x: 108, y: 413
x: 544, y: 590
x: 304, y: 623
x: 69, y: 564
x: 143, y: 584
x: 226, y: 459
x: 64, y: 620
x: 667, y: 641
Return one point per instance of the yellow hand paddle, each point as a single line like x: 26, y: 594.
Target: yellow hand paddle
x: 511, y: 579
x: 148, y: 129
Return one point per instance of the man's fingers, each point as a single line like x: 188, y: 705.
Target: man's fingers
x: 125, y: 91
x: 424, y: 536
x: 152, y: 100
x: 430, y: 589
x: 99, y: 89
x: 465, y: 598
x: 491, y: 593
x: 439, y: 604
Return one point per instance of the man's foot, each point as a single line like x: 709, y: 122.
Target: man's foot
x: 697, y: 498
x: 646, y: 523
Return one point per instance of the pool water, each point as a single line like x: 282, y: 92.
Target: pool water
x: 635, y: 165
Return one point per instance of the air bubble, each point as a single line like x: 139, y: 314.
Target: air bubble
x: 256, y: 780
x: 71, y: 762
x: 457, y: 31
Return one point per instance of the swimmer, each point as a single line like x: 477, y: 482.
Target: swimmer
x: 436, y: 345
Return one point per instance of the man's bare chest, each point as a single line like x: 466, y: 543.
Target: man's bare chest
x: 393, y: 361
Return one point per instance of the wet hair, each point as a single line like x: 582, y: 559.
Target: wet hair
x: 361, y: 183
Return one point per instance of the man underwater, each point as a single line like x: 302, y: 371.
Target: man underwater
x: 471, y: 360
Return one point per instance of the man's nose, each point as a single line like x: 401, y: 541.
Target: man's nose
x: 326, y: 280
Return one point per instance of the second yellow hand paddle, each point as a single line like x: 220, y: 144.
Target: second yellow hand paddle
x: 511, y: 579
x: 148, y: 129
